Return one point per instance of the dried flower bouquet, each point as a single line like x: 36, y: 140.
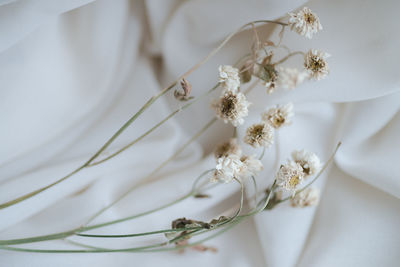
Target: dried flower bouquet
x: 231, y: 107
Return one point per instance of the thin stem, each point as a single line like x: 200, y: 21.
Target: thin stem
x: 162, y: 165
x: 142, y: 234
x: 134, y: 117
x: 262, y: 154
x: 62, y: 235
x: 236, y: 220
x: 288, y: 56
x: 255, y: 189
x: 191, y: 193
x: 155, y: 126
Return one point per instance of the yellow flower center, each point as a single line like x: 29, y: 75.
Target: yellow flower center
x: 309, y: 18
x: 294, y: 181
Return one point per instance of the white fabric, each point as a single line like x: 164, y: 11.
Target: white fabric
x: 72, y: 72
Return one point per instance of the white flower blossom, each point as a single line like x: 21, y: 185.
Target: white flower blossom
x: 252, y: 166
x: 316, y: 64
x: 307, y: 197
x: 260, y: 135
x: 305, y: 22
x: 279, y: 116
x: 308, y: 161
x: 227, y: 148
x: 232, y: 107
x: 290, y: 176
x: 229, y: 77
x: 227, y: 168
x: 289, y: 78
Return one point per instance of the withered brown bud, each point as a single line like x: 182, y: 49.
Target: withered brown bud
x: 187, y: 89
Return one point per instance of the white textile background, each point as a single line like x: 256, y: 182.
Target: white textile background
x: 73, y: 71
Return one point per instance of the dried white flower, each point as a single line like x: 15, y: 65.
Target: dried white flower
x: 290, y: 78
x: 229, y: 77
x: 227, y: 169
x: 316, y: 64
x: 305, y: 22
x: 305, y: 198
x: 232, y: 107
x: 308, y: 161
x: 227, y: 148
x: 260, y: 134
x: 290, y: 176
x: 279, y: 116
x: 252, y: 166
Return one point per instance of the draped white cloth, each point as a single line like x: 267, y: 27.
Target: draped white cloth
x: 72, y: 72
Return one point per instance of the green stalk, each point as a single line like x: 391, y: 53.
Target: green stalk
x: 133, y: 118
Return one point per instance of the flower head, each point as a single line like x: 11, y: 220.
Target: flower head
x: 305, y: 22
x: 260, y: 134
x: 290, y: 78
x: 232, y: 107
x: 316, y: 64
x: 251, y: 166
x: 308, y: 161
x: 229, y: 77
x: 227, y: 169
x: 290, y: 176
x: 227, y: 148
x: 305, y: 198
x: 279, y: 116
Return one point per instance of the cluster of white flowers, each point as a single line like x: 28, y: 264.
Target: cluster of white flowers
x: 232, y: 107
x: 231, y: 164
x: 279, y: 116
x: 229, y: 77
x: 309, y: 161
x: 305, y: 22
x: 307, y: 197
x: 316, y: 64
x: 303, y: 165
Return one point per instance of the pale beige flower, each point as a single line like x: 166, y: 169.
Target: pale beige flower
x: 251, y: 166
x: 290, y: 176
x: 229, y: 77
x: 309, y: 161
x: 227, y: 148
x: 260, y: 135
x: 232, y: 107
x: 227, y: 169
x: 289, y: 78
x: 305, y: 22
x: 307, y: 197
x: 279, y: 116
x: 316, y: 64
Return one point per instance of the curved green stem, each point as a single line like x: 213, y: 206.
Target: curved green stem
x: 155, y: 126
x: 133, y: 118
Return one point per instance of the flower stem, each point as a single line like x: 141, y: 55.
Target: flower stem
x: 133, y: 118
x: 288, y: 56
x: 155, y: 126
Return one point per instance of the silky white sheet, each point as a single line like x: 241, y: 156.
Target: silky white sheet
x: 72, y: 72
